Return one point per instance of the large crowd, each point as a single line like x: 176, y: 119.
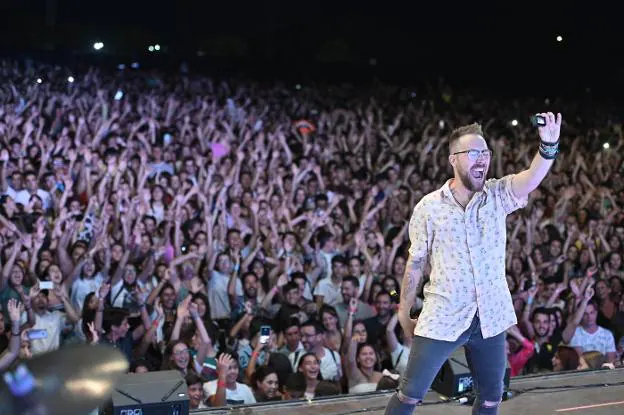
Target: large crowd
x: 252, y: 236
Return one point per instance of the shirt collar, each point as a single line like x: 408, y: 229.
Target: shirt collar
x: 446, y: 191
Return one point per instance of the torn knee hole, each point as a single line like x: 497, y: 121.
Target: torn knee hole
x: 490, y: 404
x: 407, y: 400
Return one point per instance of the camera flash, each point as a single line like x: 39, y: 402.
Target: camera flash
x: 514, y: 123
x: 605, y: 146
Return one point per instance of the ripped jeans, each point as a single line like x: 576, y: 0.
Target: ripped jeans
x: 486, y: 359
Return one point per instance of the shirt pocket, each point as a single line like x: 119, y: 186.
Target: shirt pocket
x: 489, y: 223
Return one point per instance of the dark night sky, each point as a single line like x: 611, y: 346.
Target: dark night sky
x: 503, y: 37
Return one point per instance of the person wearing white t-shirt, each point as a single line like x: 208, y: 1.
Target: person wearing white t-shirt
x: 328, y: 290
x: 591, y: 337
x: 51, y: 323
x: 219, y: 287
x: 226, y: 390
x: 32, y: 189
x: 86, y: 280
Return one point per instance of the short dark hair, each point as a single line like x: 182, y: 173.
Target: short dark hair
x: 291, y: 322
x: 298, y: 275
x: 295, y: 383
x: 384, y: 292
x: 356, y: 257
x: 318, y: 327
x: 114, y: 316
x: 289, y: 286
x: 193, y: 379
x: 339, y: 259
x: 232, y: 231
x: 352, y: 280
x: 326, y: 388
x: 473, y: 128
x: 540, y: 310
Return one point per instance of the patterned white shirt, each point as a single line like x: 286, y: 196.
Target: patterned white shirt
x: 601, y: 340
x: 466, y: 251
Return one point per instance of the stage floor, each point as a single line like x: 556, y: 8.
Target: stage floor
x: 558, y: 394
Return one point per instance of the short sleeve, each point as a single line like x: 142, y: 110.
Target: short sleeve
x: 210, y: 388
x: 576, y: 341
x: 239, y: 288
x: 61, y: 318
x: 610, y: 346
x: 506, y: 196
x: 418, y: 233
x: 249, y: 396
x: 320, y: 289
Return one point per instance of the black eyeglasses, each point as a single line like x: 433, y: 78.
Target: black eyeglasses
x: 474, y: 154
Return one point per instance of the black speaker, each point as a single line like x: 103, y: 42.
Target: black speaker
x: 152, y: 393
x: 454, y: 378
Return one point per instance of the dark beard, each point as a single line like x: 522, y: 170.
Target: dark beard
x: 467, y: 182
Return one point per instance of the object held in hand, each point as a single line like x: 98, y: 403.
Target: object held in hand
x: 71, y: 381
x: 538, y: 120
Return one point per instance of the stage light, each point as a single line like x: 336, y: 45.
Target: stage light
x: 157, y: 47
x: 70, y: 79
x: 514, y: 123
x: 150, y: 48
x: 39, y: 80
x: 98, y: 45
x: 606, y: 146
x: 559, y: 38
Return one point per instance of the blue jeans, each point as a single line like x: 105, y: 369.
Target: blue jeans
x: 486, y: 359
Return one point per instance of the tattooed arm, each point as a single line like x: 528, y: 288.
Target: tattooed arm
x: 419, y: 234
x: 409, y: 285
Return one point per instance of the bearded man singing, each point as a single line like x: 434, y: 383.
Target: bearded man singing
x: 460, y: 231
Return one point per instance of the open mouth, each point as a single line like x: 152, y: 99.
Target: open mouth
x: 477, y: 172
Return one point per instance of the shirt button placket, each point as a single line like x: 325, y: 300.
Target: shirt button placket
x: 471, y: 241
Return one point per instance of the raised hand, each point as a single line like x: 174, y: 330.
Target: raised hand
x: 282, y: 280
x: 533, y: 291
x: 248, y: 308
x: 104, y: 290
x: 551, y: 131
x: 223, y: 364
x: 196, y: 286
x: 353, y: 305
x: 193, y: 310
x: 14, y: 311
x: 95, y: 337
x: 59, y: 291
x: 160, y: 313
x: 34, y: 291
x: 183, y: 308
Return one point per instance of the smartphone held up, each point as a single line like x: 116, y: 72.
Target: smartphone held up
x: 265, y: 334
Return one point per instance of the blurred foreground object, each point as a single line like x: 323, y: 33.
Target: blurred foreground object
x: 74, y: 380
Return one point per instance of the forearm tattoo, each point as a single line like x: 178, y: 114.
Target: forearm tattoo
x: 411, y: 279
